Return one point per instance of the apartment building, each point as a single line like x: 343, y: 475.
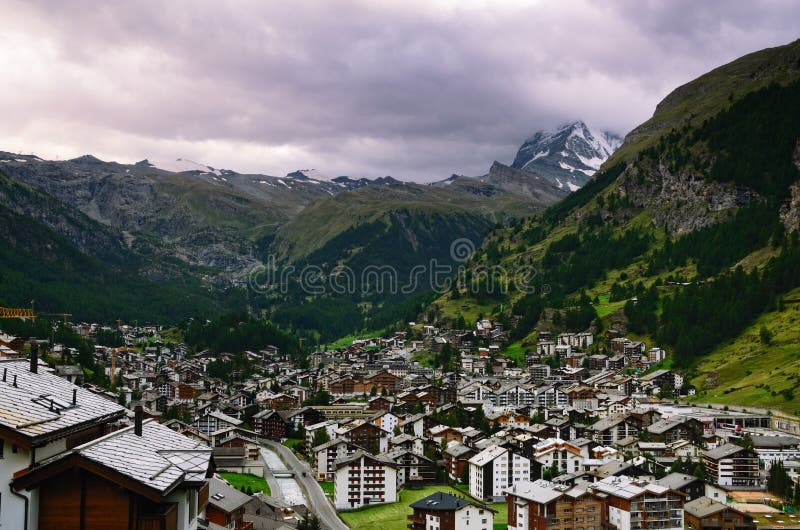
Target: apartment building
x: 328, y: 453
x: 633, y: 504
x: 361, y: 479
x: 494, y: 469
x: 732, y: 465
x: 543, y: 505
x: 561, y: 454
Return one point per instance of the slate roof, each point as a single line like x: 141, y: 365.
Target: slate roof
x: 539, y: 491
x: 359, y: 454
x: 703, y: 507
x: 627, y: 487
x: 487, y: 455
x: 457, y: 450
x: 26, y: 407
x: 224, y: 417
x: 441, y: 501
x: 160, y: 458
x: 226, y: 497
x: 663, y: 426
x: 677, y: 481
x: 723, y: 451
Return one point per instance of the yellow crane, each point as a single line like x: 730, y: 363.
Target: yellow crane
x: 17, y: 312
x: 62, y: 315
x: 28, y: 312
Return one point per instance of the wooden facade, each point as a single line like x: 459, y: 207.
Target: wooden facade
x: 78, y: 500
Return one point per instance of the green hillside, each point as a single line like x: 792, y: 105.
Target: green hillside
x: 685, y: 219
x: 93, y: 275
x: 761, y: 366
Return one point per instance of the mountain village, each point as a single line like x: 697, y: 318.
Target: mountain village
x: 588, y: 433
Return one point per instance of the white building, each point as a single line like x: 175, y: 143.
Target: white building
x: 565, y: 456
x: 771, y: 449
x: 362, y: 479
x: 442, y: 511
x: 328, y: 453
x: 386, y: 421
x: 495, y: 468
x: 631, y: 501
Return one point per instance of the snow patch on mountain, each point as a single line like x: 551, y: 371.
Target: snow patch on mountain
x: 569, y: 155
x: 181, y: 165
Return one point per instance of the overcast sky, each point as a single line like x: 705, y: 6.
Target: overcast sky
x: 413, y: 89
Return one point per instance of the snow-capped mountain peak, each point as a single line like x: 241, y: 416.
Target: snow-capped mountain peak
x: 568, y: 155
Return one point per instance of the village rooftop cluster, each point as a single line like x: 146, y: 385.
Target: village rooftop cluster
x: 587, y: 434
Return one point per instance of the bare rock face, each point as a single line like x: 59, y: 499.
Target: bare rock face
x: 682, y: 202
x: 790, y: 211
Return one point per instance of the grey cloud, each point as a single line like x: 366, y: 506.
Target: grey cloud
x: 417, y: 90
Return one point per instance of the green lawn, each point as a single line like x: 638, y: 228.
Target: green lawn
x: 605, y: 307
x: 291, y: 443
x: 516, y: 352
x: 327, y: 487
x: 243, y: 480
x: 348, y: 340
x: 393, y: 516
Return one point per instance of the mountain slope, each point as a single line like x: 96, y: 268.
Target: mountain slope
x: 394, y: 229
x: 478, y: 198
x: 699, y: 223
x: 67, y: 262
x: 502, y: 179
x: 712, y: 92
x: 568, y: 156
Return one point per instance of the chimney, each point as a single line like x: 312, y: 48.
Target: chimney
x: 34, y: 356
x: 74, y: 396
x: 137, y: 421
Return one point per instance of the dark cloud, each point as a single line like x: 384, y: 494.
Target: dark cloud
x: 414, y: 89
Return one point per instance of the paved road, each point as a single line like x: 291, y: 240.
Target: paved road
x: 314, y: 494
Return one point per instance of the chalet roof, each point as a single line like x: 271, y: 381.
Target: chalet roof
x: 665, y: 425
x: 152, y: 464
x: 676, y: 481
x: 25, y: 408
x: 457, y: 449
x: 704, y: 506
x: 608, y: 423
x: 159, y: 458
x: 775, y: 442
x: 224, y: 417
x: 394, y: 454
x: 627, y: 487
x: 654, y: 375
x: 225, y: 497
x: 363, y: 454
x: 403, y: 438
x: 441, y: 501
x: 539, y: 491
x: 723, y: 451
x: 611, y: 468
x: 487, y: 455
